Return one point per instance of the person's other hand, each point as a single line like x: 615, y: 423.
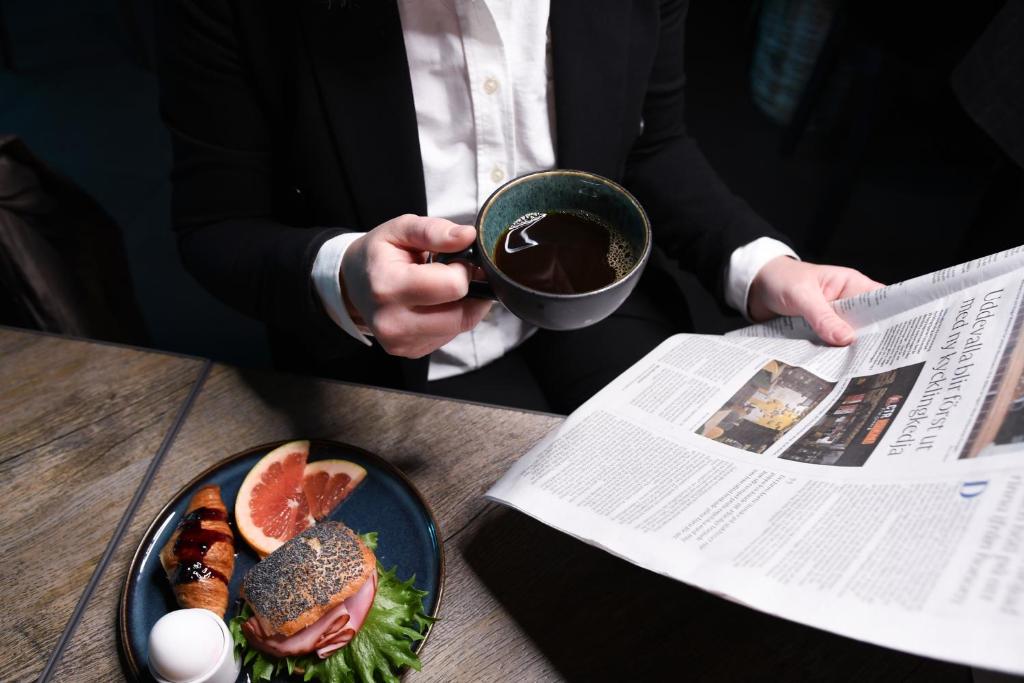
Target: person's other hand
x: 785, y: 286
x: 411, y: 307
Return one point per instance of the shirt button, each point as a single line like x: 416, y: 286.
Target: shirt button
x: 497, y: 175
x: 491, y: 85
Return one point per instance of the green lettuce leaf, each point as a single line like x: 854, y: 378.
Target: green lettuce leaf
x: 378, y: 652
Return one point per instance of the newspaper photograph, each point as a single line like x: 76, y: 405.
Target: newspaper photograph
x: 857, y: 420
x: 875, y: 490
x: 768, y: 405
x: 1000, y: 426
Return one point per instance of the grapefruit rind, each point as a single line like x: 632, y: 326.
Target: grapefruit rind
x: 332, y: 468
x: 253, y: 534
x: 318, y: 506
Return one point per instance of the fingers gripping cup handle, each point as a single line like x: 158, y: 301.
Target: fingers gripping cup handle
x: 478, y: 289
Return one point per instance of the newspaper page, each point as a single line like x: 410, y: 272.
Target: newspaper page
x: 876, y: 491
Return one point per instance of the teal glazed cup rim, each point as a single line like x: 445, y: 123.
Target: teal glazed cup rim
x: 485, y: 254
x: 559, y: 190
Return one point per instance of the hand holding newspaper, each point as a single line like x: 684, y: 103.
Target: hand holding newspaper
x: 876, y: 490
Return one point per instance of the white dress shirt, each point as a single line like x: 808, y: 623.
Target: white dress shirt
x: 481, y: 82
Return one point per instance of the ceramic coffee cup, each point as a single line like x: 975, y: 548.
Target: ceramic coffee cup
x: 562, y: 191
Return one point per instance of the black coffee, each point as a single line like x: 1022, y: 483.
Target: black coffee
x: 562, y: 253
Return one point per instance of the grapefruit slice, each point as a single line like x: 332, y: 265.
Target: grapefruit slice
x: 271, y: 506
x: 328, y: 482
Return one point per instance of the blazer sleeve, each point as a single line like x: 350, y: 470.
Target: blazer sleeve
x: 223, y: 172
x: 696, y: 219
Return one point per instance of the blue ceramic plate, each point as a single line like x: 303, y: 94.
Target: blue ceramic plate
x: 385, y: 502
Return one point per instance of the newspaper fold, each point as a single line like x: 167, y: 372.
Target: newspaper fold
x: 876, y: 491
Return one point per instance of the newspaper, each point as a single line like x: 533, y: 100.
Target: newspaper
x: 876, y: 491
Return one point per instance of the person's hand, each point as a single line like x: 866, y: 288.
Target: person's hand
x: 785, y: 286
x: 411, y: 307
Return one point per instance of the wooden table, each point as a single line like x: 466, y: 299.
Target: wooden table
x: 95, y: 438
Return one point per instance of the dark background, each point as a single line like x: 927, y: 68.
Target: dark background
x: 887, y: 174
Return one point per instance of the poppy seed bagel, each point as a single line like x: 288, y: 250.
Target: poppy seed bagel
x: 303, y: 579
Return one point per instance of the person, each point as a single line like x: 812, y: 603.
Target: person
x: 321, y: 148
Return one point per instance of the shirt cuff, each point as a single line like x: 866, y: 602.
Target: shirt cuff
x: 327, y: 282
x: 744, y: 265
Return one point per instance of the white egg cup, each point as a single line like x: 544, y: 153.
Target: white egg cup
x: 192, y: 646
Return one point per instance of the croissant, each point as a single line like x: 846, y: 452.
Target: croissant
x: 200, y: 556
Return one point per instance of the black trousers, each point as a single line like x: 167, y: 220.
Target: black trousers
x: 558, y: 371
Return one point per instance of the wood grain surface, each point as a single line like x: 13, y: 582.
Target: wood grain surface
x: 452, y: 451
x: 79, y: 423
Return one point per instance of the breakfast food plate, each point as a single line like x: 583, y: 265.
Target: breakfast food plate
x: 385, y: 502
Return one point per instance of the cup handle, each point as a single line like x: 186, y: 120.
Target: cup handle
x: 477, y: 289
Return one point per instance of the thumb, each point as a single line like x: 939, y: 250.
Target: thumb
x: 825, y: 322
x: 420, y: 233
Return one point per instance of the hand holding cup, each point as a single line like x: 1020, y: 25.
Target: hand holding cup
x: 411, y: 306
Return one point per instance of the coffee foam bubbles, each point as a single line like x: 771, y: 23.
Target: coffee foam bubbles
x: 620, y: 252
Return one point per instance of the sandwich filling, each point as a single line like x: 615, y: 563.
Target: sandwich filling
x: 312, y: 594
x: 285, y: 603
x: 331, y: 632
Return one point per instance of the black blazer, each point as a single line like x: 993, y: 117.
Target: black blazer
x: 293, y: 121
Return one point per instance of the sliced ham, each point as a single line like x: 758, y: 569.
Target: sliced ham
x: 331, y: 632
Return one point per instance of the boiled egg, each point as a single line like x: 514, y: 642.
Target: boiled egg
x: 191, y: 645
